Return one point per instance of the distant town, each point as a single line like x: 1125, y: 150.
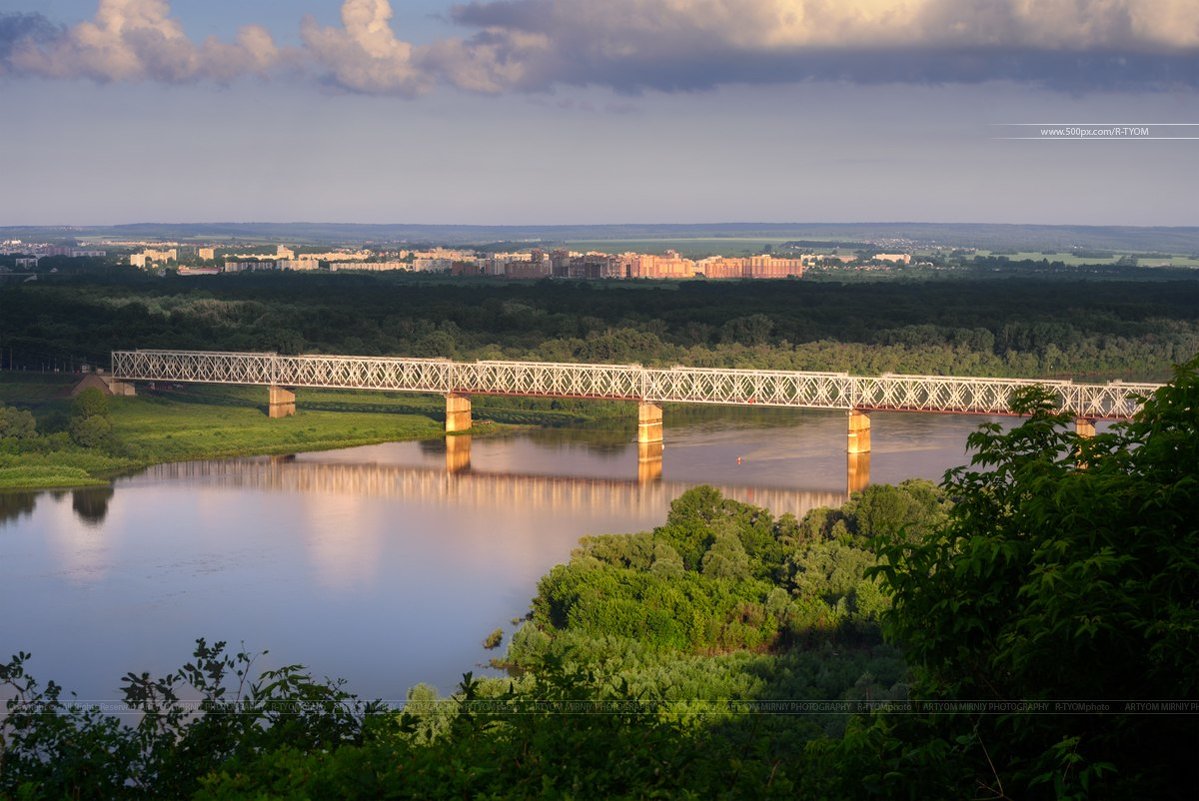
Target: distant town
x: 533, y: 263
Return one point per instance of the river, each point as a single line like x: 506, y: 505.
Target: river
x: 388, y: 564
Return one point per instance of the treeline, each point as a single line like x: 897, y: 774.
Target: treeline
x: 1013, y: 611
x: 1032, y: 326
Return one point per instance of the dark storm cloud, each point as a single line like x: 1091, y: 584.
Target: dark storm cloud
x: 15, y: 28
x: 1064, y: 71
x: 693, y: 45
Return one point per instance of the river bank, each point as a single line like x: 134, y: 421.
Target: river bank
x: 176, y: 423
x: 182, y: 424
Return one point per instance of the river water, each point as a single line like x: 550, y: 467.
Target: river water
x: 388, y: 564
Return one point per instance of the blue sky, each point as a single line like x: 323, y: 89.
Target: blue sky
x: 574, y: 111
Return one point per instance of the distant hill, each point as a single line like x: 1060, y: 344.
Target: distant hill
x: 1184, y: 240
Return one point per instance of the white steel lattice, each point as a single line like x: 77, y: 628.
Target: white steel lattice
x: 917, y: 393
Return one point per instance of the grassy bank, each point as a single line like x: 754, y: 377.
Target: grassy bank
x: 190, y: 423
x: 172, y: 423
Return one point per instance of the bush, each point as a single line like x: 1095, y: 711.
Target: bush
x: 494, y: 639
x: 16, y: 424
x: 91, y: 426
x: 1068, y: 569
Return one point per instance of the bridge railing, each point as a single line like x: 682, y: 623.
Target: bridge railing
x: 922, y: 393
x: 204, y: 366
x: 550, y: 379
x: 750, y: 387
x: 365, y: 372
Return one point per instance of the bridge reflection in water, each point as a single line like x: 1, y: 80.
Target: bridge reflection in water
x: 546, y: 495
x: 649, y: 462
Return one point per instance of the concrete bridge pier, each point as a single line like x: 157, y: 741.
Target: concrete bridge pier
x: 649, y: 422
x: 1084, y: 427
x: 457, y: 454
x: 857, y: 474
x: 457, y: 413
x: 649, y: 462
x: 859, y: 432
x: 282, y: 402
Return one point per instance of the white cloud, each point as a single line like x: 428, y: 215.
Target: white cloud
x: 629, y: 45
x: 364, y: 55
x: 132, y: 40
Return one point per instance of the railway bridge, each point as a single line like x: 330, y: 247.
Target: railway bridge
x: 649, y: 387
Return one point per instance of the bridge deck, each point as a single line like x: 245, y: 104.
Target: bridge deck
x: 918, y: 393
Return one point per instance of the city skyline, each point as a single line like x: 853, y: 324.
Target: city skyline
x: 568, y: 112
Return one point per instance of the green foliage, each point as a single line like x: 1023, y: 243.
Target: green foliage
x: 91, y: 402
x: 170, y: 426
x: 701, y: 515
x: 726, y: 557
x: 91, y: 432
x: 724, y: 575
x: 1068, y: 569
x: 978, y: 324
x: 51, y: 748
x: 913, y: 508
x: 493, y: 639
x: 1064, y: 568
x: 91, y: 423
x: 16, y: 423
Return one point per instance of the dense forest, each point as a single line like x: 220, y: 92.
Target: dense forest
x: 1007, y: 324
x: 1013, y: 633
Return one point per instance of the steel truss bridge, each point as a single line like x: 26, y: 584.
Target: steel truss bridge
x: 809, y: 390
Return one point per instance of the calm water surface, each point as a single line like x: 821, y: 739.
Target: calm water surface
x: 382, y: 564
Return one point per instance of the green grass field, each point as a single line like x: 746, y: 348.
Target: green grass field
x: 172, y: 423
x: 195, y: 423
x: 1073, y: 260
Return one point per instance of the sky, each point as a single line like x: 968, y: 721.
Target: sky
x: 597, y: 111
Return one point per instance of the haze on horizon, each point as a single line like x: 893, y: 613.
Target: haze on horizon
x: 570, y: 111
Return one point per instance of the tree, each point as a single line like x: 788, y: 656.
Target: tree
x: 16, y: 423
x: 726, y: 557
x: 1068, y: 569
x: 91, y: 425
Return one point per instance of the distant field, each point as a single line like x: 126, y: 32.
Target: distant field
x: 1178, y: 261
x: 1070, y: 258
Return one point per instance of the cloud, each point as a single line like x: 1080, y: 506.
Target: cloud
x: 365, y: 55
x: 631, y: 45
x: 17, y: 28
x: 634, y: 45
x: 134, y: 40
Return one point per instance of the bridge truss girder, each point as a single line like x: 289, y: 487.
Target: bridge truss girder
x: 809, y: 390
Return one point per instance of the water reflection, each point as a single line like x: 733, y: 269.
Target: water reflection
x: 857, y: 471
x: 14, y: 505
x: 457, y: 453
x: 609, y: 440
x: 649, y: 462
x: 550, y: 497
x: 315, y: 554
x: 91, y: 504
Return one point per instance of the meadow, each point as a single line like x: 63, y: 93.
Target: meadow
x: 171, y: 425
